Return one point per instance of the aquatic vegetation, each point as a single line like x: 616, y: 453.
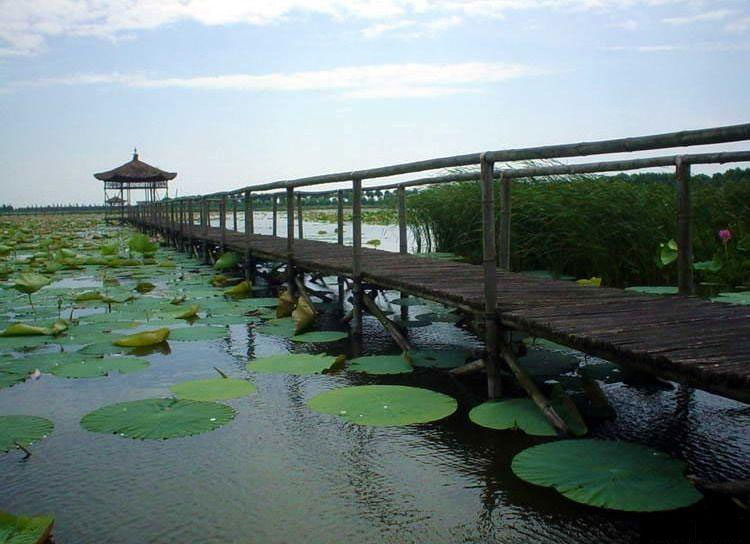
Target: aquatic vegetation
x: 141, y: 339
x: 380, y: 364
x: 433, y: 358
x: 316, y: 337
x: 213, y: 389
x: 189, y: 313
x: 140, y: 243
x: 239, y: 290
x: 608, y: 474
x: 283, y: 327
x: 25, y: 529
x: 94, y: 368
x: 156, y: 419
x: 654, y: 289
x: 228, y: 260
x: 384, y: 405
x: 594, y: 281
x: 520, y: 414
x: 23, y: 430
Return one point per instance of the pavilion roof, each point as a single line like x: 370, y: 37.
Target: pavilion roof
x: 135, y: 171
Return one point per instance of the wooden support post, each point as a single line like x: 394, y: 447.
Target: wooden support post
x: 234, y: 214
x: 248, y: 221
x: 249, y: 213
x: 402, y: 243
x: 299, y: 217
x: 489, y: 261
x: 504, y: 234
x: 389, y: 325
x: 533, y: 391
x: 684, y: 229
x: 191, y: 220
x: 223, y: 221
x: 340, y: 240
x: 357, y: 255
x: 275, y: 200
x: 290, y: 239
x: 182, y: 224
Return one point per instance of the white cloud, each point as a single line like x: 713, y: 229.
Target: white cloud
x: 373, y: 81
x: 740, y: 25
x: 708, y: 47
x: 25, y: 25
x: 707, y: 16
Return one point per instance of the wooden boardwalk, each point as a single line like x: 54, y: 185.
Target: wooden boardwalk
x: 686, y: 339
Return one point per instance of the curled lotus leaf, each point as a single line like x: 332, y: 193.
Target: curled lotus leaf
x: 384, y: 405
x: 145, y: 287
x: 285, y: 305
x: 141, y: 339
x: 213, y: 389
x: 158, y: 419
x: 239, y: 290
x: 86, y: 296
x: 191, y: 312
x: 94, y: 368
x: 30, y: 282
x: 228, y: 260
x: 292, y: 363
x: 303, y: 316
x: 608, y: 474
x: 23, y: 430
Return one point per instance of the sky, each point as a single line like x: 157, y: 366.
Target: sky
x: 230, y: 93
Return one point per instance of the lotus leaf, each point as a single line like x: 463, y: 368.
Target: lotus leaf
x: 25, y: 529
x: 293, y: 363
x: 86, y: 296
x: 145, y: 287
x: 239, y: 290
x: 740, y: 297
x: 708, y: 266
x: 156, y: 419
x: 139, y: 243
x: 255, y: 303
x: 433, y: 358
x: 594, y: 281
x: 9, y: 379
x: 653, y: 289
x: 94, y: 368
x: 384, y: 405
x: 608, y: 474
x: 303, y: 316
x: 213, y: 389
x: 23, y: 430
x: 228, y: 260
x: 30, y: 282
x: 316, y: 337
x: 543, y: 363
x: 198, y: 333
x: 381, y: 364
x: 521, y: 414
x: 145, y: 338
x: 24, y: 329
x: 285, y: 305
x: 283, y: 327
x: 668, y: 252
x: 191, y: 312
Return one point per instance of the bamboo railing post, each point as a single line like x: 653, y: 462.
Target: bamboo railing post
x: 223, y: 221
x: 191, y: 221
x: 489, y: 260
x: 290, y: 238
x: 402, y: 243
x: 357, y: 255
x: 299, y: 217
x: 234, y: 214
x: 684, y: 229
x: 340, y: 240
x: 249, y: 213
x: 181, y: 217
x: 504, y: 235
x: 248, y: 221
x: 205, y: 219
x: 275, y: 206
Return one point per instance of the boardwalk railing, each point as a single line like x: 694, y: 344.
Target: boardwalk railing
x: 178, y: 213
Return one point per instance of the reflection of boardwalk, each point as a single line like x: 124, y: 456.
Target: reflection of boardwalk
x: 702, y: 343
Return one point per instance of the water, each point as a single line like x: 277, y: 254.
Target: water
x: 281, y: 473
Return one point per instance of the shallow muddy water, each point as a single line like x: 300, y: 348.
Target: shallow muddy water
x: 280, y: 473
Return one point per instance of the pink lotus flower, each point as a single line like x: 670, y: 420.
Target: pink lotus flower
x: 725, y: 235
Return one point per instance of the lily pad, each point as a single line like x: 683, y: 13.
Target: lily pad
x: 22, y: 429
x: 380, y: 364
x: 318, y: 337
x: 292, y: 363
x: 283, y: 327
x: 213, y: 389
x: 521, y: 414
x: 432, y: 358
x: 156, y: 419
x: 94, y: 368
x: 384, y: 405
x: 654, y: 289
x: 228, y: 260
x: 141, y: 339
x: 198, y: 333
x: 25, y: 529
x: 608, y: 474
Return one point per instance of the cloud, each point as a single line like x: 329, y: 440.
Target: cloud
x: 26, y: 25
x: 370, y: 81
x: 707, y: 16
x: 739, y: 25
x: 708, y: 47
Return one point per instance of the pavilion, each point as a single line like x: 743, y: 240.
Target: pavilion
x: 132, y: 175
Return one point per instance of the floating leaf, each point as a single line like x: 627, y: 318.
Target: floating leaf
x: 228, y: 260
x: 22, y: 429
x: 594, y: 281
x: 94, y: 368
x: 283, y: 327
x: 141, y: 339
x: 521, y: 414
x: 543, y: 363
x: 213, y: 389
x: 381, y: 364
x: 156, y: 419
x: 25, y: 529
x: 293, y: 363
x: 708, y: 266
x: 198, y: 333
x: 9, y: 379
x: 87, y: 296
x: 740, y: 297
x: 239, y: 290
x: 654, y: 289
x: 30, y: 282
x: 384, y: 405
x: 191, y: 312
x: 608, y: 474
x: 24, y: 329
x: 316, y: 337
x: 255, y: 303
x: 145, y: 287
x: 433, y: 358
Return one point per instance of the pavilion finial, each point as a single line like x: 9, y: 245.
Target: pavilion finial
x: 135, y: 154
